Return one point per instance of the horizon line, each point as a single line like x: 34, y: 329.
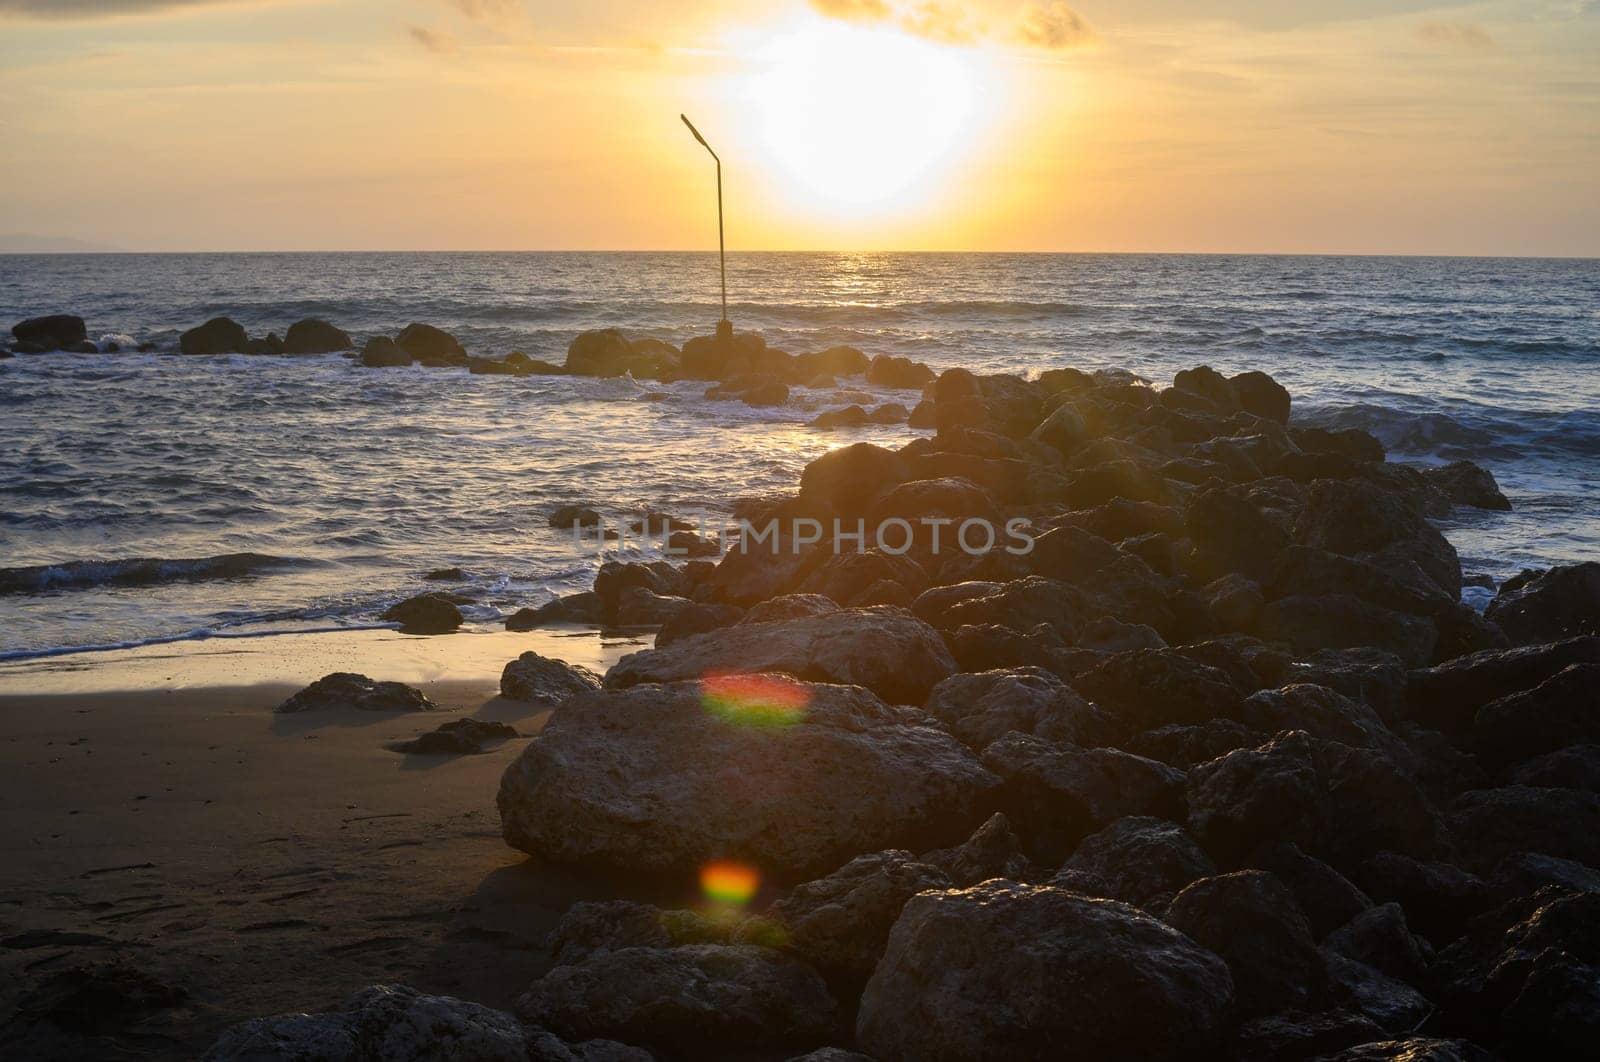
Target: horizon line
x: 818, y: 251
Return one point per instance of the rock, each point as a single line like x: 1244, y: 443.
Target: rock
x: 789, y: 607
x: 1490, y: 824
x: 696, y: 619
x: 845, y: 577
x: 849, y: 479
x: 425, y: 341
x: 831, y: 1054
x: 383, y: 1023
x: 1326, y: 897
x: 983, y: 707
x: 1057, y: 794
x: 1353, y: 518
x: 840, y: 924
x: 835, y: 361
x: 424, y: 614
x: 1344, y: 621
x: 848, y: 417
x: 1255, y: 796
x: 1450, y: 694
x: 1260, y: 394
x: 1399, y: 587
x: 688, y: 1001
x: 1563, y: 602
x: 574, y: 608
x: 1439, y: 898
x: 1234, y: 601
x: 639, y: 607
x: 220, y: 335
x: 459, y: 737
x: 1185, y: 746
x: 570, y: 516
x: 888, y: 371
x: 765, y: 394
x: 887, y: 650
x: 1064, y: 429
x: 1210, y: 384
x: 602, y: 352
x: 1577, y: 767
x: 312, y: 336
x: 1380, y: 938
x: 1413, y: 1049
x: 1148, y: 688
x: 1321, y: 712
x: 1561, y: 711
x: 542, y: 680
x: 1251, y: 920
x: 993, y: 851
x: 1373, y: 676
x: 343, y: 689
x: 1465, y: 483
x: 591, y: 928
x: 381, y: 352
x: 445, y: 575
x: 1141, y: 860
x: 792, y: 777
x: 1391, y: 1004
x: 54, y: 332
x: 978, y: 973
x: 1298, y: 1036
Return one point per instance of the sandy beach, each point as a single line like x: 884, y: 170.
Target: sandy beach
x: 158, y: 813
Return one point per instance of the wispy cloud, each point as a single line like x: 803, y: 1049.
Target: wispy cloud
x: 83, y: 10
x: 1467, y: 36
x: 488, y: 10
x: 942, y: 23
x: 1051, y: 24
x: 854, y: 10
x: 432, y: 40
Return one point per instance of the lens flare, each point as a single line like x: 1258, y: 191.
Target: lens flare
x: 755, y: 700
x: 730, y: 883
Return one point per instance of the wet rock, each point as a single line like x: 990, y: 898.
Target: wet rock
x: 993, y: 851
x: 1561, y: 711
x: 312, y: 336
x: 1389, y: 1003
x: 1490, y: 824
x: 1297, y: 1036
x: 1260, y: 394
x: 1563, y: 602
x: 835, y: 361
x: 1057, y: 793
x: 602, y: 352
x: 1414, y: 1049
x: 425, y: 614
x: 1465, y: 483
x: 570, y: 516
x: 445, y: 575
x: 840, y: 923
x: 1210, y: 384
x: 793, y: 777
x: 53, y: 332
x: 1344, y: 621
x: 381, y: 352
x: 542, y: 680
x: 1251, y: 920
x: 383, y: 1023
x: 1380, y: 938
x: 344, y: 689
x: 848, y: 417
x: 981, y: 708
x: 688, y: 1001
x: 574, y: 608
x: 885, y: 370
x: 220, y: 335
x: 459, y: 737
x: 1141, y: 860
x: 1450, y: 694
x: 976, y: 974
x: 886, y: 650
x: 423, y: 341
x: 1148, y: 688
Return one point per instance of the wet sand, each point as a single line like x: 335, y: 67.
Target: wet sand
x: 157, y: 813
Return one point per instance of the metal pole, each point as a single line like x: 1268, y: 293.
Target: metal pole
x: 724, y: 329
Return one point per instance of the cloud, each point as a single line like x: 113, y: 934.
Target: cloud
x: 83, y: 10
x: 1052, y: 24
x: 853, y: 10
x: 1467, y: 36
x: 939, y: 23
x: 488, y: 10
x: 431, y: 40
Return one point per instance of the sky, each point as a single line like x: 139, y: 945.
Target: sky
x: 1272, y: 126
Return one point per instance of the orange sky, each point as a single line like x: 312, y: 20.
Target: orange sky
x: 1141, y: 125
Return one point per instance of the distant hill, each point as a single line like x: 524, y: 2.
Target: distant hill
x: 28, y: 243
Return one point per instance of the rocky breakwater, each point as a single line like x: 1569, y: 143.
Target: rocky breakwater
x: 1202, y: 758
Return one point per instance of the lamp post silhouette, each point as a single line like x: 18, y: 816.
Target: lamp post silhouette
x: 724, y: 326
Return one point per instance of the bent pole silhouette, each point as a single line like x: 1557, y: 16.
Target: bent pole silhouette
x: 722, y: 250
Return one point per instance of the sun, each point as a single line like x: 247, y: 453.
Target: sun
x: 861, y: 116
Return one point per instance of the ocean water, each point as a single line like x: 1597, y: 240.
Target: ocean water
x: 313, y: 493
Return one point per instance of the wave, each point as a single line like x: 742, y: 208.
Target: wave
x: 1508, y: 435
x: 196, y: 635
x: 137, y: 571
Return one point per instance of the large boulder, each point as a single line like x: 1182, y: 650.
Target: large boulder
x: 381, y: 352
x: 793, y: 777
x: 840, y: 923
x: 1563, y: 602
x: 887, y: 650
x: 1057, y: 794
x: 1005, y: 971
x: 541, y: 680
x: 425, y: 614
x: 1260, y: 394
x: 602, y: 352
x: 979, y: 708
x: 1344, y: 621
x: 1561, y: 711
x: 1148, y: 688
x: 1491, y: 824
x: 312, y: 336
x: 1251, y: 919
x: 1139, y: 860
x: 1465, y: 483
x: 425, y: 342
x: 694, y: 1001
x: 850, y: 478
x: 1355, y: 518
x: 1449, y: 695
x: 220, y: 335
x: 55, y: 332
x: 345, y: 689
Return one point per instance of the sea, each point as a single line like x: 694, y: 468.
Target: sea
x: 151, y: 497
